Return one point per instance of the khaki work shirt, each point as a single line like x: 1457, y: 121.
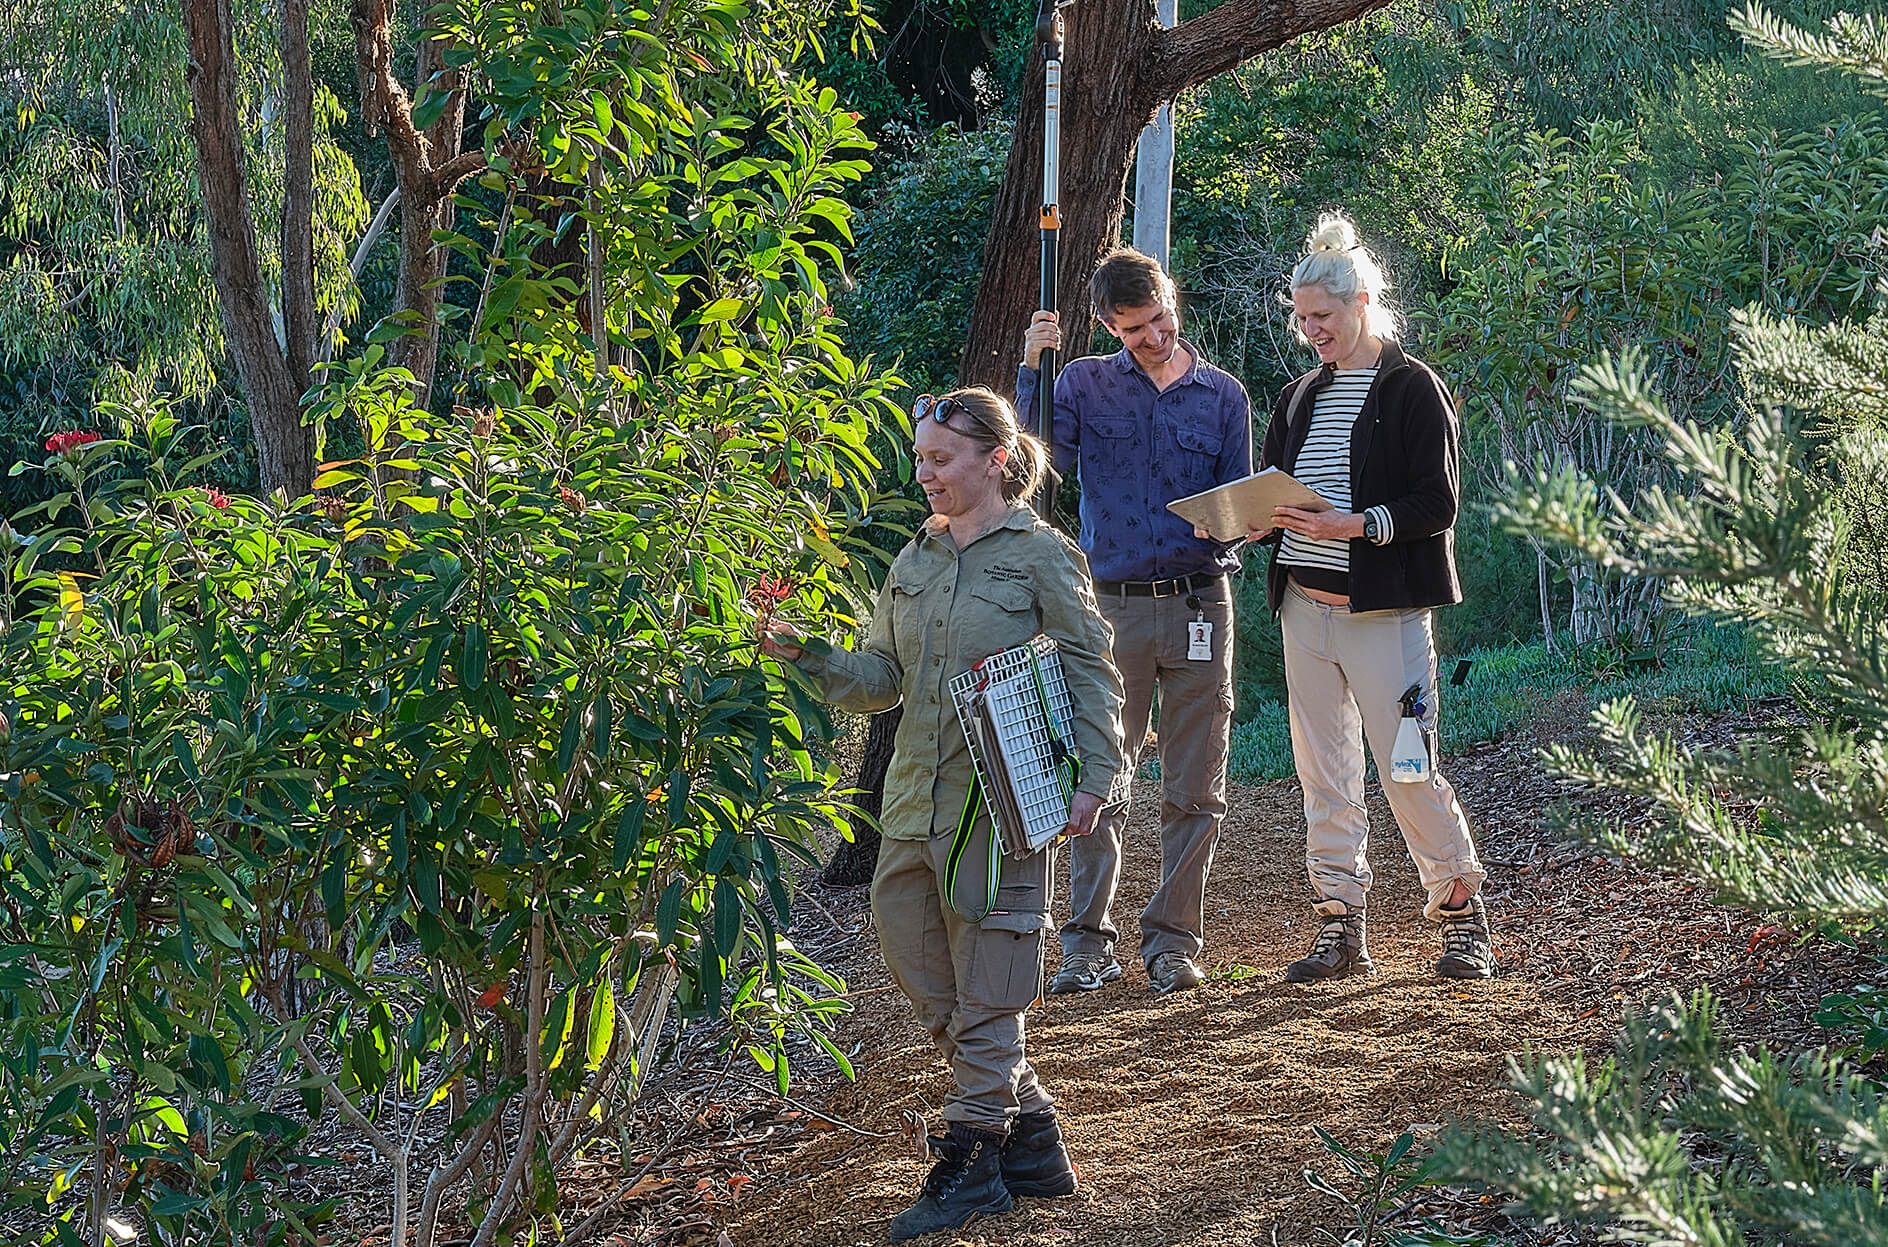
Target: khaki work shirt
x: 942, y: 610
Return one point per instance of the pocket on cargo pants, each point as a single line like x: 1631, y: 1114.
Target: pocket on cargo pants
x: 1006, y: 967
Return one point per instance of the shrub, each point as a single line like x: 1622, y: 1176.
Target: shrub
x: 414, y: 804
x: 1678, y: 1137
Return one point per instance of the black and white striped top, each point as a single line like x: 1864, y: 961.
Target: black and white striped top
x: 1323, y: 466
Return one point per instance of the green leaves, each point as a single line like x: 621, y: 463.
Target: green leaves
x: 478, y: 736
x: 472, y: 657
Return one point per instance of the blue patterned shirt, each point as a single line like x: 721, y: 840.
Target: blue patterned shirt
x: 1135, y: 449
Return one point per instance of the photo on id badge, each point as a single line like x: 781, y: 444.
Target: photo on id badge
x: 1200, y: 641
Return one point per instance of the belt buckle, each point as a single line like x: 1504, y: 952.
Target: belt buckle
x: 1172, y: 587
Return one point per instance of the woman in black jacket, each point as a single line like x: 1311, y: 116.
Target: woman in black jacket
x: 1374, y: 433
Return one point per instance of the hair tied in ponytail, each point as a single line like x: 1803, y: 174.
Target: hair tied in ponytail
x: 991, y: 425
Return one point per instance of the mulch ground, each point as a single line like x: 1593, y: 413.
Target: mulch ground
x: 1191, y: 1115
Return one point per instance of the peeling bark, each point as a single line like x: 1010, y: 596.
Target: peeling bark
x: 428, y: 167
x: 298, y: 197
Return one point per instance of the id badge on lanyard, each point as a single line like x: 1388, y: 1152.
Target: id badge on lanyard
x: 1199, y: 633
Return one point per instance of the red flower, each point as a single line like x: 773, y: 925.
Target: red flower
x: 769, y: 591
x: 571, y: 497
x: 489, y: 998
x: 332, y: 505
x: 218, y: 499
x: 68, y: 443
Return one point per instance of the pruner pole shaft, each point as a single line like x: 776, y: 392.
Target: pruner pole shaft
x: 1049, y: 32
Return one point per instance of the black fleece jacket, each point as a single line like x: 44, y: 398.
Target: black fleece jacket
x: 1405, y: 455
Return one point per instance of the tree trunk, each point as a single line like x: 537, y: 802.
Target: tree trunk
x: 854, y: 861
x: 298, y: 195
x: 284, y: 446
x: 1119, y: 65
x: 428, y: 167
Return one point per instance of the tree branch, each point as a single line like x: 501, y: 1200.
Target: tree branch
x: 446, y: 177
x: 534, y: 1081
x: 442, y: 1179
x: 1229, y: 36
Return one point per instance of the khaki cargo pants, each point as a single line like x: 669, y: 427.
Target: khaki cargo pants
x: 968, y: 982
x: 1345, y: 674
x: 1195, y: 702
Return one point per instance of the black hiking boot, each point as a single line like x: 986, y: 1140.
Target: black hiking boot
x: 964, y: 1184
x: 1468, y: 951
x: 1339, y: 951
x: 1035, y: 1162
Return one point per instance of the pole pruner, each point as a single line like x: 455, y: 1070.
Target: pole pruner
x: 1049, y: 35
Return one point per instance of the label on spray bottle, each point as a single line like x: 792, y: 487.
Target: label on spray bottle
x: 1409, y: 759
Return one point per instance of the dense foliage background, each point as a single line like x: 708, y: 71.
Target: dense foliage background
x: 425, y: 798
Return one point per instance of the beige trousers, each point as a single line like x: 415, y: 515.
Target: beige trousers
x: 1346, y: 674
x: 969, y: 983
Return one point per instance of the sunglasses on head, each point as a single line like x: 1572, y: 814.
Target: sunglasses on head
x: 938, y: 408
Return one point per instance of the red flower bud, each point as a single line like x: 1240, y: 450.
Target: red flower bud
x: 68, y: 443
x: 769, y: 591
x: 218, y: 499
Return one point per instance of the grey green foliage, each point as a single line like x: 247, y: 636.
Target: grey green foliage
x: 1678, y: 1137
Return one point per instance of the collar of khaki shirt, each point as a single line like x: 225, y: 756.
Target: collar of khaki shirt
x: 936, y: 526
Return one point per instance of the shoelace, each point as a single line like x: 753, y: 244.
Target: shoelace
x: 964, y: 1164
x: 1330, y: 935
x: 1463, y: 937
x: 949, y: 1162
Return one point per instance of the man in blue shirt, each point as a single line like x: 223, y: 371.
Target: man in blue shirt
x: 1139, y: 428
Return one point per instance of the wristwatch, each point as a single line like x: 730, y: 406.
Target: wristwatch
x: 1371, y: 532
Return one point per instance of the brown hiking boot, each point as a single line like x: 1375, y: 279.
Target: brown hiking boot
x: 1339, y: 951
x: 1468, y: 951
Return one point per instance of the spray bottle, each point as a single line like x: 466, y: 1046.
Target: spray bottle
x: 1409, y: 759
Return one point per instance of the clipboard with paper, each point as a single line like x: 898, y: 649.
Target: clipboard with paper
x: 1232, y: 510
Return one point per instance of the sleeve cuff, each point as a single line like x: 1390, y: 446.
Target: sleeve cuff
x: 811, y: 663
x: 1386, y: 529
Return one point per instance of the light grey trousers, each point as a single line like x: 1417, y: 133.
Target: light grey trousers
x: 1150, y: 649
x: 1346, y: 674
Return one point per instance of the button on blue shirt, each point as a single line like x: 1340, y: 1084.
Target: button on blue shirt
x: 1136, y: 448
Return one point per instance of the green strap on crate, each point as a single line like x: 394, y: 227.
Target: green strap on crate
x: 1068, y: 770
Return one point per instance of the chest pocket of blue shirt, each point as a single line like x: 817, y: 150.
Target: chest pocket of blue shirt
x: 1199, y: 441
x: 1117, y: 442
x: 1194, y: 467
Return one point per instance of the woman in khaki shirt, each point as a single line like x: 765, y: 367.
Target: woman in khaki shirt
x: 982, y: 575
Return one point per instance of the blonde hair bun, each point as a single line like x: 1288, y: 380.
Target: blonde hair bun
x: 1334, y: 234
x: 1336, y: 261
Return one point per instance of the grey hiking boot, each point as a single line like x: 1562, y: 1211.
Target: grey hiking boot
x: 1084, y: 972
x: 1468, y: 951
x: 1173, y: 972
x: 1035, y: 1161
x: 1339, y: 952
x: 964, y: 1184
